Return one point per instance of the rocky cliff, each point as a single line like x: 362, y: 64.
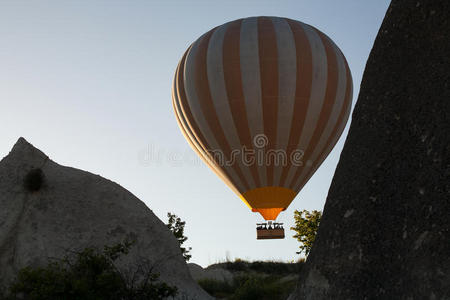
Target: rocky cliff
x: 385, y: 227
x: 45, y: 213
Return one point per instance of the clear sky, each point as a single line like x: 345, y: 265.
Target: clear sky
x: 89, y: 83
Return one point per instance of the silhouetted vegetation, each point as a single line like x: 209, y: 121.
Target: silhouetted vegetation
x: 89, y: 274
x: 306, y: 225
x: 254, y: 280
x: 177, y: 227
x: 250, y: 287
x: 267, y: 267
x: 217, y: 288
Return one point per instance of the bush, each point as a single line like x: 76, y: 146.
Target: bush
x: 177, y: 227
x: 237, y: 265
x: 249, y: 287
x: 254, y: 280
x: 217, y: 288
x: 259, y: 287
x: 306, y: 226
x: 267, y: 267
x: 89, y: 274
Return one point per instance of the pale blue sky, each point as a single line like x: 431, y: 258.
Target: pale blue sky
x: 89, y: 83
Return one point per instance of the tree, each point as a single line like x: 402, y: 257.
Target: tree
x: 177, y: 227
x: 306, y: 225
x: 89, y: 274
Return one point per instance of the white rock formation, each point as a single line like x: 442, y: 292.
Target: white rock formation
x: 219, y: 274
x: 75, y: 209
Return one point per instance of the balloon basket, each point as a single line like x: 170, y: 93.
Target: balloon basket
x: 269, y: 231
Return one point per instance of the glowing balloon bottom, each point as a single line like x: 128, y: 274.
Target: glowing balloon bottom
x: 268, y: 201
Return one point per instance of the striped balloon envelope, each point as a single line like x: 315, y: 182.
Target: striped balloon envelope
x: 263, y: 101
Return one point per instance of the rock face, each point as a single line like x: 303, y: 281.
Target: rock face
x: 218, y: 274
x: 385, y: 228
x: 73, y: 209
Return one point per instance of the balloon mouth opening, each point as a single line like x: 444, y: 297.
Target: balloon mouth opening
x: 268, y: 201
x: 269, y: 214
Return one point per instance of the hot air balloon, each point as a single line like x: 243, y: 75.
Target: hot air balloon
x: 263, y: 101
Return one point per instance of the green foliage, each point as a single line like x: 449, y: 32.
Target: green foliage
x: 89, y: 274
x: 177, y: 227
x: 249, y: 286
x: 266, y: 267
x: 254, y: 280
x: 217, y: 288
x: 306, y: 225
x: 259, y: 287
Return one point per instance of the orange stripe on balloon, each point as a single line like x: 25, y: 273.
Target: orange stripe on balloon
x: 338, y: 129
x: 207, y: 106
x: 268, y: 58
x: 193, y: 126
x: 233, y: 83
x: 302, y: 92
x: 330, y: 98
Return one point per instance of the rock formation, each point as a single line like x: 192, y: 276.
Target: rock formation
x: 385, y: 232
x: 47, y: 209
x: 218, y: 274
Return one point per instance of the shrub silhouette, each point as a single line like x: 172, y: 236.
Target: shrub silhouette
x: 254, y: 280
x: 177, y: 227
x: 89, y: 274
x: 249, y: 286
x: 306, y: 226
